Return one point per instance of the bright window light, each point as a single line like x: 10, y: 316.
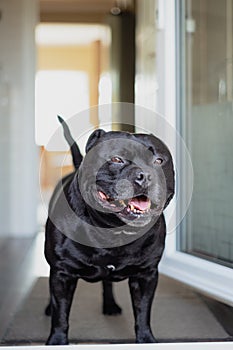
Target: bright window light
x: 105, y: 97
x: 62, y: 93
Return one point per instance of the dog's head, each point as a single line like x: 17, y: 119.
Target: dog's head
x: 128, y: 175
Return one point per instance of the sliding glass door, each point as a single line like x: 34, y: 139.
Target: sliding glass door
x: 205, y: 105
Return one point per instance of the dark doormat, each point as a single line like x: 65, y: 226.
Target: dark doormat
x: 179, y: 314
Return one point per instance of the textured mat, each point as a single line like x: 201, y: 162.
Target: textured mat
x: 179, y: 314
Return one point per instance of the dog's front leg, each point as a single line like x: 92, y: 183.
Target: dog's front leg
x: 62, y: 290
x: 142, y: 293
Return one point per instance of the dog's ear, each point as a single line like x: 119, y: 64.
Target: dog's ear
x: 94, y: 137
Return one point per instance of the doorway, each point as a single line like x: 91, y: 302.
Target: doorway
x: 72, y: 69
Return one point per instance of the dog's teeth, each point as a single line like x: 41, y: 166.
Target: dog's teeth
x: 135, y: 211
x: 131, y: 207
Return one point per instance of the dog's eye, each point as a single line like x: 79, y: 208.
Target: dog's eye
x: 158, y: 161
x: 116, y: 160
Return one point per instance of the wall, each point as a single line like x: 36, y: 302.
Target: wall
x: 146, y: 59
x: 154, y: 86
x: 18, y: 155
x: 122, y: 67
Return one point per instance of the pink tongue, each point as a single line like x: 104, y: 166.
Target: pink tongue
x: 140, y: 203
x: 102, y: 195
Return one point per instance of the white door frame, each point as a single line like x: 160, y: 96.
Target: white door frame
x: 171, y: 346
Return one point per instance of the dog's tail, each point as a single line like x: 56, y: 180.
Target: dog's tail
x: 75, y: 151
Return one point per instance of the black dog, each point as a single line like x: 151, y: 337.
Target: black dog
x: 106, y: 223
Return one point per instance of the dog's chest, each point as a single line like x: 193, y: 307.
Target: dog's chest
x: 116, y: 264
x: 109, y: 272
x: 114, y: 268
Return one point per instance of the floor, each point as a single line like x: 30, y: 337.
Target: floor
x: 22, y: 262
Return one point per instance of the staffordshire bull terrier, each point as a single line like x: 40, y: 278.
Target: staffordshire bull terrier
x: 106, y: 223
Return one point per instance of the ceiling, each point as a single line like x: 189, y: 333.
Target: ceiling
x: 86, y: 11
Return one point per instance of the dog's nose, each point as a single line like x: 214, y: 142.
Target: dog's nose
x: 142, y: 178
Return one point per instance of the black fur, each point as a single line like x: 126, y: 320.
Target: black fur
x: 105, y: 255
x: 76, y: 154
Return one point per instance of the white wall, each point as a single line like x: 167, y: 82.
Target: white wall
x: 147, y: 77
x: 18, y: 153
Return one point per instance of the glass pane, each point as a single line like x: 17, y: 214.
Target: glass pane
x: 207, y: 71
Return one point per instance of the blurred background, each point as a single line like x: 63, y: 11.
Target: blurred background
x: 173, y: 57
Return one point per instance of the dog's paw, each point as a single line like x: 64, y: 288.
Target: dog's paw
x: 57, y: 339
x: 146, y: 338
x: 111, y: 309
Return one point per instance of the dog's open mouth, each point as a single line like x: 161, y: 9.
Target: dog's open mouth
x: 135, y: 206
